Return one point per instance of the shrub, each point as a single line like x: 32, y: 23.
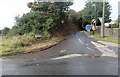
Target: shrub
x: 32, y: 22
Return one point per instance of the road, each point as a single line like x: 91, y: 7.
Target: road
x: 77, y: 55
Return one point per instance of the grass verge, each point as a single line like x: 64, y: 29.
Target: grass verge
x: 107, y: 38
x: 24, y: 43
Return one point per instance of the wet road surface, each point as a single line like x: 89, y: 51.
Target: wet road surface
x: 74, y: 56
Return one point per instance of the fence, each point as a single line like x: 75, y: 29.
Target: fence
x: 115, y: 32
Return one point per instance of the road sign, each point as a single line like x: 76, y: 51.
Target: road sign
x: 94, y: 21
x: 62, y: 21
x: 88, y: 27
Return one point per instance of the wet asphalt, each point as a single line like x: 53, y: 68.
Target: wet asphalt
x: 76, y: 55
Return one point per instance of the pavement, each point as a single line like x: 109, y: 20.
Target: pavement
x: 77, y: 55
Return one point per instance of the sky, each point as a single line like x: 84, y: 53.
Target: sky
x: 11, y: 8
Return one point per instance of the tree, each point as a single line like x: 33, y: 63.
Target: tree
x: 79, y: 14
x: 73, y: 16
x: 90, y: 13
x: 42, y: 18
x: 32, y: 22
x: 56, y: 10
x: 49, y: 7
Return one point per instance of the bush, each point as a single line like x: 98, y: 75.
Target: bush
x: 32, y: 22
x: 114, y: 26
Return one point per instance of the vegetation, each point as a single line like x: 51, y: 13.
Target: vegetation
x: 115, y: 25
x: 90, y: 13
x: 57, y: 11
x: 32, y: 22
x: 74, y: 16
x: 23, y: 43
x: 45, y: 19
x: 107, y: 38
x: 10, y: 45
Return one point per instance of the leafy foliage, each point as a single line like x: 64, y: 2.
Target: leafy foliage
x: 90, y: 13
x: 44, y: 17
x: 32, y: 22
x: 73, y: 16
x: 56, y: 10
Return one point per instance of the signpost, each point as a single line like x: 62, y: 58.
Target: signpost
x: 62, y: 21
x: 88, y: 27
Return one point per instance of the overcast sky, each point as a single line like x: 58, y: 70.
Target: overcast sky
x: 11, y: 8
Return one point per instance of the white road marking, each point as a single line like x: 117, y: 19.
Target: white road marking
x: 67, y: 56
x: 89, y: 48
x: 105, y: 51
x: 63, y: 51
x: 85, y: 54
x: 79, y: 39
x: 109, y: 43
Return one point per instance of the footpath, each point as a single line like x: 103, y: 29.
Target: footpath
x: 107, y: 48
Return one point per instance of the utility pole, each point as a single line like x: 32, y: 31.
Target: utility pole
x: 95, y: 5
x: 103, y: 16
x: 95, y: 12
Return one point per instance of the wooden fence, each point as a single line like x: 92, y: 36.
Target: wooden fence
x: 115, y: 32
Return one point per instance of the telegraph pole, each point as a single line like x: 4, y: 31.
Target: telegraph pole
x: 103, y: 16
x: 95, y: 12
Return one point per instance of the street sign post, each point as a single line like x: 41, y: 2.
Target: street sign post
x: 88, y: 27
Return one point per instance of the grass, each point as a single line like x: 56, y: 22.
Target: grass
x: 107, y: 38
x: 18, y: 44
x: 15, y: 44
